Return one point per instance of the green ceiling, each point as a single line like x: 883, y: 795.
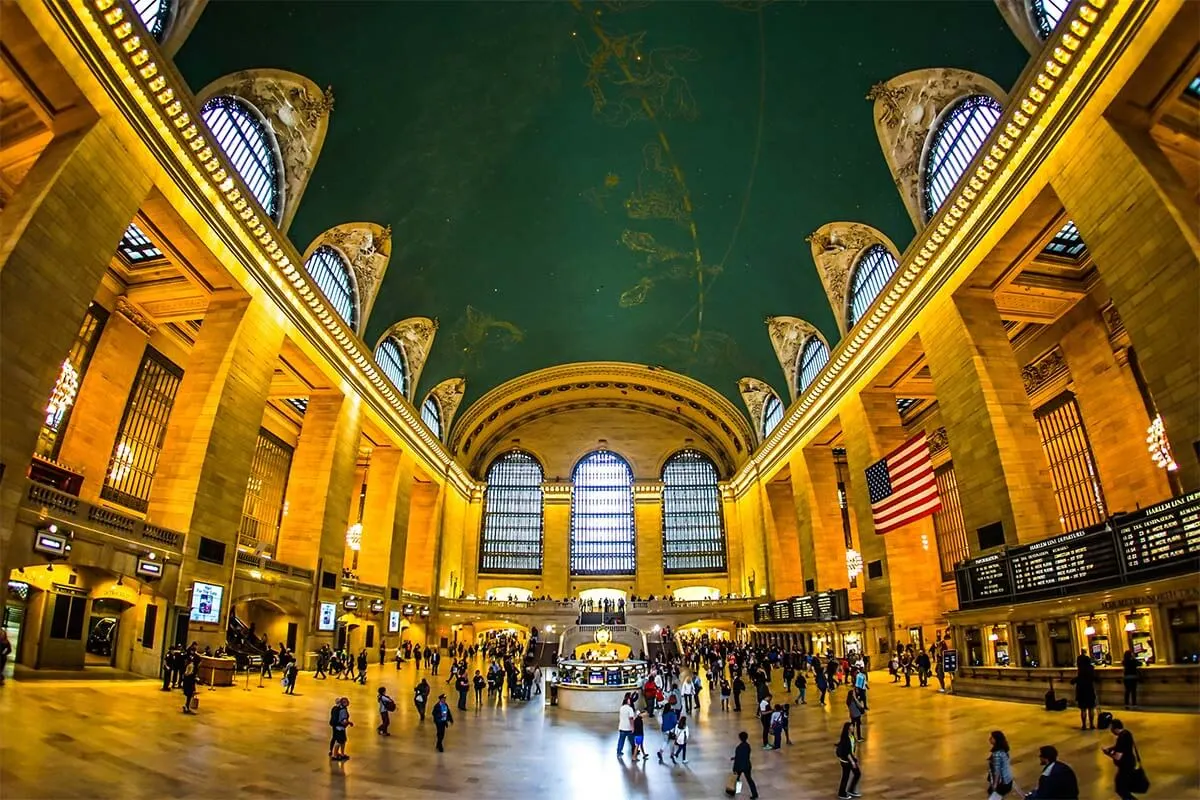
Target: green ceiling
x: 537, y: 162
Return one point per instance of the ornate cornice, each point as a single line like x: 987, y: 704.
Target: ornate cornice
x: 1044, y: 370
x: 367, y: 248
x: 788, y: 335
x: 836, y: 248
x: 134, y: 315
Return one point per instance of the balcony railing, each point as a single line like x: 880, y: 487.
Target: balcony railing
x: 264, y: 564
x: 84, y: 517
x: 358, y: 587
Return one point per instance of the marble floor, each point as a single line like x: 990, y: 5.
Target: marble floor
x: 98, y: 739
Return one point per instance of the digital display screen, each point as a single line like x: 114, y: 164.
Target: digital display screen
x: 393, y: 621
x: 1161, y: 534
x: 819, y: 607
x: 1064, y: 561
x: 206, y: 602
x: 327, y: 619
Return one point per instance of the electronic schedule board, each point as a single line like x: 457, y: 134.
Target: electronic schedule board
x: 819, y: 607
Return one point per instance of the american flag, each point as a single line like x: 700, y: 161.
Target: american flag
x: 902, y: 486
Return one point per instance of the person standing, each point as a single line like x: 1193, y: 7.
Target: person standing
x: 764, y: 718
x: 478, y: 685
x: 362, y: 666
x: 322, y: 662
x: 739, y: 686
x: 855, y: 709
x: 1000, y: 776
x: 1057, y: 781
x: 442, y: 718
x: 847, y: 756
x: 625, y: 726
x: 386, y: 706
x: 462, y: 685
x: 725, y: 692
x: 188, y: 682
x: 1085, y: 690
x: 688, y: 691
x: 741, y: 763
x: 339, y: 721
x: 421, y: 696
x: 435, y: 658
x: 1130, y: 777
x: 1130, y: 677
x: 6, y: 649
x: 289, y: 677
x: 382, y: 652
x: 682, y: 734
x: 860, y: 687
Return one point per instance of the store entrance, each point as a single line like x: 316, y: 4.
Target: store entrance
x: 103, y: 628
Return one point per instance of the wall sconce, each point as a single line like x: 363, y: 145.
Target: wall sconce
x: 354, y: 537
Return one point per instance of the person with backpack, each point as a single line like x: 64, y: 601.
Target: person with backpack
x: 848, y: 758
x: 386, y: 706
x: 289, y: 677
x: 442, y: 718
x: 421, y: 697
x: 339, y: 721
x: 1130, y: 776
x: 682, y: 734
x: 670, y: 716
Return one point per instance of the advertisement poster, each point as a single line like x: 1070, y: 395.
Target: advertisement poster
x: 328, y: 618
x: 394, y: 622
x: 206, y: 602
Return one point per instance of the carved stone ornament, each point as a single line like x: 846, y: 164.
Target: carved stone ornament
x: 367, y: 247
x: 906, y: 109
x: 449, y: 394
x: 754, y: 394
x: 135, y: 316
x: 298, y: 113
x: 1017, y: 14
x: 788, y: 335
x: 1045, y: 369
x: 415, y: 335
x: 836, y: 248
x: 939, y: 440
x: 182, y: 20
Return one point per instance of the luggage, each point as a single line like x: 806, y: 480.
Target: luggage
x: 733, y: 784
x: 195, y: 702
x: 1104, y: 720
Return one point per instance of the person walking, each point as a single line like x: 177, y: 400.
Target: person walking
x: 1129, y: 676
x: 339, y: 721
x: 670, y: 716
x: 764, y: 718
x: 802, y: 687
x: 1130, y: 776
x: 639, y: 736
x: 855, y: 709
x: 362, y: 667
x: 322, y: 663
x: 822, y: 684
x: 188, y: 682
x: 6, y: 650
x: 421, y: 697
x: 289, y: 677
x: 741, y: 763
x: 478, y: 683
x: 625, y: 717
x: 1057, y: 781
x: 386, y: 706
x: 1000, y: 776
x: 1085, y: 690
x: 442, y: 718
x: 682, y: 734
x: 847, y: 756
x: 725, y: 692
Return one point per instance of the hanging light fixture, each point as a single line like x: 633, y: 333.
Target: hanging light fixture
x: 854, y: 563
x: 354, y: 537
x: 1159, y: 446
x: 65, y: 389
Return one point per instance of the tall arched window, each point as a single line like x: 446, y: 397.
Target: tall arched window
x: 872, y: 272
x: 389, y: 355
x: 431, y: 415
x: 329, y: 269
x: 1046, y: 15
x: 602, y: 532
x: 154, y: 14
x: 962, y: 131
x: 772, y: 414
x: 511, y: 539
x: 249, y: 145
x: 814, y: 355
x: 693, y: 533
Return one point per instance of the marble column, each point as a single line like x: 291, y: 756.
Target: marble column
x: 648, y: 527
x: 821, y: 535
x: 556, y: 539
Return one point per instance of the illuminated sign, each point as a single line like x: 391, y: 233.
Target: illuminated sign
x: 327, y: 620
x: 150, y: 570
x: 206, y: 602
x: 350, y: 603
x: 51, y: 544
x: 393, y: 621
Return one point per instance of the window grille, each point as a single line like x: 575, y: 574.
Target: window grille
x: 1072, y: 464
x: 143, y: 428
x: 136, y: 246
x: 332, y: 274
x: 1047, y: 14
x: 871, y: 274
x: 1067, y: 243
x: 1193, y: 88
x: 602, y: 531
x: 693, y: 530
x: 814, y: 355
x: 247, y: 143
x: 389, y: 355
x: 262, y: 509
x: 958, y: 138
x: 70, y: 380
x: 431, y: 415
x: 948, y: 525
x: 903, y: 404
x: 298, y: 403
x: 511, y: 539
x: 772, y: 414
x: 155, y: 14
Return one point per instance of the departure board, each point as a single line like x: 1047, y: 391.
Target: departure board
x: 1161, y: 534
x: 803, y: 608
x: 781, y: 611
x: 986, y: 578
x: 819, y: 607
x: 1070, y: 560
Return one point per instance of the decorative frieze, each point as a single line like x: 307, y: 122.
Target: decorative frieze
x: 788, y: 335
x: 1044, y: 370
x: 129, y: 311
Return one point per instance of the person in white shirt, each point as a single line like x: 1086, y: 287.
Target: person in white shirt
x: 764, y: 717
x: 682, y: 734
x: 625, y: 727
x: 688, y: 690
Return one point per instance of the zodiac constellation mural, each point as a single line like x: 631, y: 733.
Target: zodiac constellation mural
x: 630, y: 81
x: 477, y: 331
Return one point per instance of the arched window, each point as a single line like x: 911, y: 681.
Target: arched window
x: 956, y: 140
x: 247, y: 142
x: 1046, y: 15
x: 693, y: 533
x: 331, y: 272
x: 870, y: 275
x: 431, y: 415
x: 602, y: 532
x: 772, y: 414
x: 155, y: 14
x: 814, y: 355
x: 511, y: 539
x: 389, y: 355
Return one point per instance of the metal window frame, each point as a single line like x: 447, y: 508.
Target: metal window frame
x: 512, y: 532
x: 80, y: 356
x: 1068, y: 449
x: 693, y: 519
x: 249, y: 144
x: 772, y: 414
x: 1046, y: 15
x: 333, y: 277
x: 949, y: 526
x: 156, y: 16
x: 596, y: 551
x: 1067, y: 243
x: 431, y: 415
x: 136, y: 248
x: 958, y: 138
x: 262, y: 509
x: 814, y: 355
x: 391, y: 358
x: 871, y: 274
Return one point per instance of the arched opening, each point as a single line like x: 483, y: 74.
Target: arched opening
x: 964, y: 128
x: 814, y: 355
x: 772, y: 414
x: 871, y: 273
x: 332, y: 274
x: 603, y: 541
x: 389, y: 355
x: 249, y: 144
x: 511, y: 538
x: 431, y: 415
x: 693, y: 525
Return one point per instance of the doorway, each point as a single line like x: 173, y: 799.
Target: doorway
x: 104, y: 625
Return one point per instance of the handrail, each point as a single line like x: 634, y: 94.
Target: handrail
x: 354, y: 585
x: 267, y: 564
x: 51, y: 504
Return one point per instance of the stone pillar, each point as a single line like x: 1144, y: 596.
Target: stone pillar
x: 754, y: 540
x: 59, y: 233
x: 385, y: 516
x: 200, y: 482
x: 648, y: 530
x: 1139, y: 222
x: 450, y: 542
x: 1001, y: 468
x: 472, y: 528
x: 421, y: 541
x: 822, y: 539
x: 87, y: 443
x: 911, y: 572
x: 783, y: 543
x: 556, y: 539
x: 322, y: 480
x: 733, y: 541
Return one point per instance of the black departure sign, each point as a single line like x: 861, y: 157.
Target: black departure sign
x: 1162, y: 534
x: 986, y: 577
x: 820, y: 607
x: 1068, y: 561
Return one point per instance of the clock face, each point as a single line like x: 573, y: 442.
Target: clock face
x: 603, y: 636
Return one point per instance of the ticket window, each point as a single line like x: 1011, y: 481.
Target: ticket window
x: 1001, y: 650
x: 1027, y: 646
x: 1096, y: 638
x: 1139, y: 635
x: 1062, y: 646
x: 974, y: 642
x: 1185, y: 632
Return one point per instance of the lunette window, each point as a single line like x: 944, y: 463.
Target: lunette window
x: 245, y: 140
x: 511, y: 538
x: 389, y: 355
x: 154, y: 14
x: 332, y: 274
x: 814, y: 355
x: 693, y: 529
x: 958, y: 138
x: 1046, y: 15
x: 871, y: 274
x: 603, y: 541
x: 431, y: 415
x: 772, y: 414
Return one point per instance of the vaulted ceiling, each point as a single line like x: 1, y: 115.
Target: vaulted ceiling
x: 622, y: 181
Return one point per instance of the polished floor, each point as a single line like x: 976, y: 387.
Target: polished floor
x: 129, y: 740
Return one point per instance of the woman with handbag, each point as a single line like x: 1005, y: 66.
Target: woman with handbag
x: 189, y: 686
x: 847, y: 756
x: 1124, y: 753
x: 1000, y: 777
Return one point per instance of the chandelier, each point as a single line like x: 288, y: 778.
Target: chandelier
x: 354, y: 536
x: 1160, y: 448
x: 854, y: 563
x: 65, y: 389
